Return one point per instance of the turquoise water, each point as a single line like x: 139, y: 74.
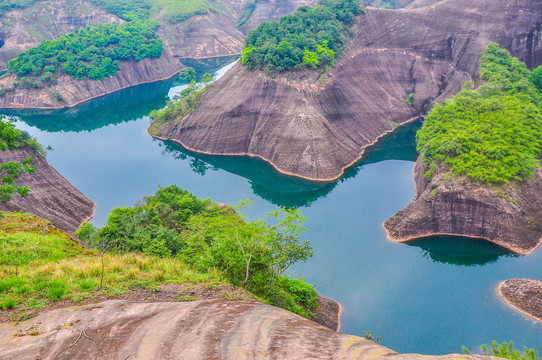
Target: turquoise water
x: 431, y: 296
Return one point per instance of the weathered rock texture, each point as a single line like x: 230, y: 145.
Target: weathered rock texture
x: 51, y: 197
x: 315, y: 126
x: 22, y: 29
x: 524, y: 295
x: 210, y: 329
x: 509, y: 216
x: 74, y: 92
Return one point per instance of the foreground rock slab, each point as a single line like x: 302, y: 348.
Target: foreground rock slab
x: 51, y: 197
x: 524, y: 295
x: 209, y: 329
x: 509, y: 216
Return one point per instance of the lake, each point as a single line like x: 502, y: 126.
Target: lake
x: 429, y: 297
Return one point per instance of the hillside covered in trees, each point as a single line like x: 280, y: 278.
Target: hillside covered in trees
x: 92, y: 52
x: 312, y: 36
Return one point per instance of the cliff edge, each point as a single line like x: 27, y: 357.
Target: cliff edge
x: 524, y: 295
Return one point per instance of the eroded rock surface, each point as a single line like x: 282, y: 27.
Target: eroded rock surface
x: 74, y: 92
x: 209, y: 329
x: 22, y: 29
x: 524, y: 295
x: 509, y: 216
x: 314, y: 126
x: 51, y: 197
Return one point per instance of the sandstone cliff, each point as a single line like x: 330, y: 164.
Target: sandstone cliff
x: 509, y: 216
x: 51, y: 197
x: 74, y: 92
x: 22, y: 29
x: 315, y: 126
x: 209, y: 329
x: 524, y: 295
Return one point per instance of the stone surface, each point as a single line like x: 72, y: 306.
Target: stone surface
x: 75, y: 92
x: 209, y: 329
x: 524, y: 295
x: 51, y: 197
x: 509, y: 216
x: 315, y: 125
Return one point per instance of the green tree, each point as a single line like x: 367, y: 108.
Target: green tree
x: 10, y: 139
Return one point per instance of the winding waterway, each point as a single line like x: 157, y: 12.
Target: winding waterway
x: 428, y: 297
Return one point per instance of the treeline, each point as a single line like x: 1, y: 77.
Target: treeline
x: 492, y: 134
x: 126, y: 9
x: 7, y: 5
x: 92, y: 52
x: 309, y: 37
x: 208, y: 237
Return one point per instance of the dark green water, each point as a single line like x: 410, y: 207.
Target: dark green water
x: 431, y: 296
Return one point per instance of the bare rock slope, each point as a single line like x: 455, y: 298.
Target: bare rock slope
x: 51, y: 197
x: 73, y: 92
x: 524, y: 295
x: 209, y: 329
x: 509, y: 216
x: 314, y: 126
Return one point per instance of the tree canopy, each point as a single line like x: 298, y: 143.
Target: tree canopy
x: 249, y: 254
x: 10, y: 139
x: 492, y: 134
x: 311, y: 36
x: 92, y: 52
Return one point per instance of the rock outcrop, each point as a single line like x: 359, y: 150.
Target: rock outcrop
x: 51, y: 197
x: 73, y: 92
x: 524, y: 295
x: 22, y: 29
x: 509, y: 216
x: 209, y: 329
x: 315, y: 125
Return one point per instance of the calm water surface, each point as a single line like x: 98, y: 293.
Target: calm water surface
x: 430, y: 297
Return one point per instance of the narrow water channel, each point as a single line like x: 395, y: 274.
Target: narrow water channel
x: 429, y: 297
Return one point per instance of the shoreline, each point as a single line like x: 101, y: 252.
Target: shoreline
x: 503, y: 298
x: 89, y: 99
x: 287, y: 173
x: 424, y: 236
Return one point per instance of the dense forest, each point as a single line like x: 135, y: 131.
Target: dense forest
x: 491, y: 134
x: 92, y: 52
x: 7, y: 5
x: 253, y: 255
x: 309, y: 37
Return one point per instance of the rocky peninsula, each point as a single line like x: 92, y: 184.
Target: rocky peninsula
x: 524, y: 295
x: 314, y: 125
x: 51, y: 197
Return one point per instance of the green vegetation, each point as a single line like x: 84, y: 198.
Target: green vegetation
x: 181, y: 105
x: 249, y: 8
x: 92, y: 52
x: 492, y: 134
x: 40, y: 265
x: 7, y: 5
x: 175, y: 11
x: 253, y: 255
x: 11, y: 139
x: 126, y: 9
x: 309, y: 37
x: 507, y: 351
x: 410, y: 99
x: 386, y: 4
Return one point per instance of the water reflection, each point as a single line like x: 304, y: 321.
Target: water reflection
x: 122, y: 106
x: 460, y: 251
x: 292, y: 192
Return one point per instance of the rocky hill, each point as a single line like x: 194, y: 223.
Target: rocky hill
x: 209, y: 329
x: 315, y: 125
x: 524, y: 295
x: 508, y: 216
x: 51, y: 197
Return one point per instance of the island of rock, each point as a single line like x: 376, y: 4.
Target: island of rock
x: 524, y: 295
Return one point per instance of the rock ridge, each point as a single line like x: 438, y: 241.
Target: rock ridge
x: 315, y: 125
